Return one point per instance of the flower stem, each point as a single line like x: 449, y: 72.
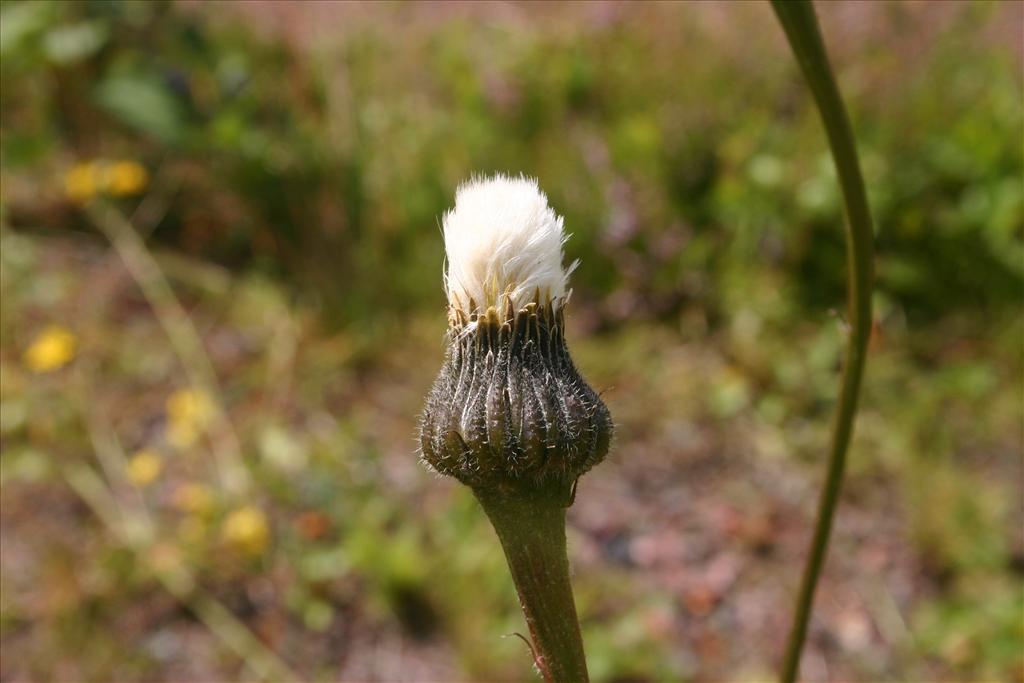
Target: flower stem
x: 532, y: 533
x: 801, y: 27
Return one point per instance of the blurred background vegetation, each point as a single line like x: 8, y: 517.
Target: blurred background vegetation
x: 222, y: 307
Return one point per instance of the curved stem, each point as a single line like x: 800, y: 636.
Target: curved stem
x: 801, y: 26
x: 532, y: 534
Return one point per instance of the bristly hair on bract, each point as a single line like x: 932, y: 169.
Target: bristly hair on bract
x: 503, y: 246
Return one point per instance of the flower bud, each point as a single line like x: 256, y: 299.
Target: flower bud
x: 509, y: 410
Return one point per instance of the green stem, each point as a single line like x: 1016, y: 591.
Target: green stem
x: 532, y: 534
x: 801, y: 26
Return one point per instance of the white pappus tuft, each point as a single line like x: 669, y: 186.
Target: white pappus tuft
x: 503, y: 245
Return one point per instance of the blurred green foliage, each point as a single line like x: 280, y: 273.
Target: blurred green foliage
x: 691, y: 170
x: 333, y: 167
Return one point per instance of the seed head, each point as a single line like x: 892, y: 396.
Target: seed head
x: 504, y: 246
x: 509, y: 410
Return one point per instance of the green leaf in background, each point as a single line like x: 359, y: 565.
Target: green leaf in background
x: 19, y: 22
x: 142, y: 102
x: 69, y: 44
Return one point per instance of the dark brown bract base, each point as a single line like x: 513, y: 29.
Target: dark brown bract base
x: 509, y: 410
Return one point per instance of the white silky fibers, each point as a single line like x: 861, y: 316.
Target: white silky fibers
x: 503, y: 245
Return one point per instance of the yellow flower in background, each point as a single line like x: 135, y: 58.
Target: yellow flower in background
x: 86, y: 180
x: 144, y: 467
x: 189, y: 412
x: 82, y: 182
x: 52, y: 349
x: 124, y: 178
x: 246, y: 528
x: 194, y: 498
